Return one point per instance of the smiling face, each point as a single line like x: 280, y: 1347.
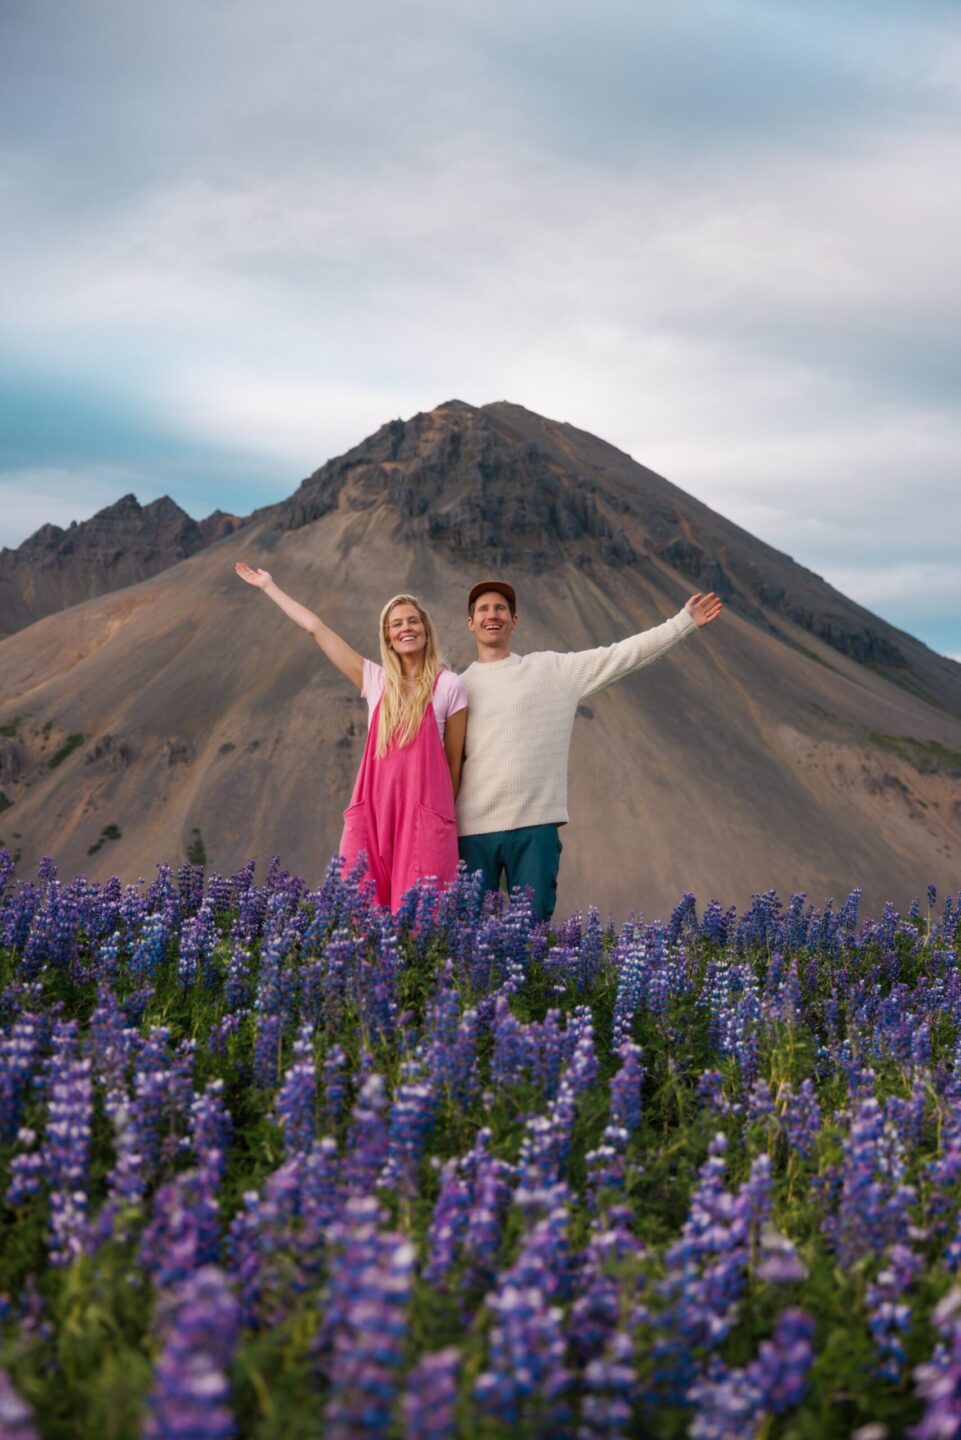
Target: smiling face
x: 491, y: 622
x: 404, y: 630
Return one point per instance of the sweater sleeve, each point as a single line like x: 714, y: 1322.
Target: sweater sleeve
x: 587, y: 671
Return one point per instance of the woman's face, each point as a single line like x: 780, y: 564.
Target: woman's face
x: 406, y: 632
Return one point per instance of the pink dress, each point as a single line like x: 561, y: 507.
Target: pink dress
x: 401, y: 813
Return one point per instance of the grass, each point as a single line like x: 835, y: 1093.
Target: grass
x: 929, y: 757
x: 5, y: 802
x: 109, y: 832
x: 10, y: 727
x: 71, y: 743
x: 196, y: 853
x: 811, y: 655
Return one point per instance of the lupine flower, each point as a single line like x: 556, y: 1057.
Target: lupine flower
x: 800, y: 1116
x: 365, y: 1322
x: 16, y: 1417
x: 367, y: 1138
x: 611, y: 1392
x: 731, y: 1404
x: 430, y: 1396
x: 297, y: 1097
x: 889, y: 1317
x: 19, y: 1051
x: 938, y: 1381
x: 190, y: 1395
x: 526, y: 1376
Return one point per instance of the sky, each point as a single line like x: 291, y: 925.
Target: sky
x: 237, y: 238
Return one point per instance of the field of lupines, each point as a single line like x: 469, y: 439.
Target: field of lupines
x: 275, y: 1163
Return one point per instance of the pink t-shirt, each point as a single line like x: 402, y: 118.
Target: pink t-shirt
x: 450, y: 693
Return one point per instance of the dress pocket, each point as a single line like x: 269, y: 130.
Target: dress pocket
x: 436, y: 844
x: 354, y: 838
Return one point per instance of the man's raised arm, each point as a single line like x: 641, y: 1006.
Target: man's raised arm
x: 588, y: 671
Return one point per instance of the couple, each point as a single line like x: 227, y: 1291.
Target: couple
x: 506, y: 770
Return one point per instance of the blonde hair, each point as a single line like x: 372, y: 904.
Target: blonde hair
x: 404, y: 705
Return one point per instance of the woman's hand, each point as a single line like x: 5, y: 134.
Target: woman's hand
x: 260, y: 578
x: 703, y: 608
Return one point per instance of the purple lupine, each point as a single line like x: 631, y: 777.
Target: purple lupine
x: 53, y: 937
x: 683, y: 918
x: 605, y: 1165
x: 490, y: 1180
x: 190, y: 1394
x: 611, y: 1254
x: 272, y: 1004
x: 611, y: 1391
x: 938, y: 1381
x: 263, y: 1246
x: 67, y: 1147
x: 713, y: 927
x: 335, y: 1085
x: 181, y: 1233
x: 61, y: 1162
x: 16, y: 1417
x: 320, y: 1201
x: 545, y: 1147
x: 237, y: 988
x: 19, y: 1052
x: 800, y: 1116
x: 6, y: 870
x: 367, y: 1136
x: 146, y: 1133
x: 210, y: 1130
x: 630, y: 961
x: 626, y: 1086
x: 18, y: 916
x: 731, y: 1404
x: 412, y: 1115
x: 339, y: 961
x: 874, y: 1204
x: 778, y: 1262
x: 430, y: 1396
x: 375, y: 982
x: 889, y: 1316
x: 296, y: 1103
x: 152, y: 944
x: 448, y: 1226
x: 707, y: 1267
x: 198, y: 936
x: 361, y: 1345
x: 590, y: 953
x: 526, y: 1377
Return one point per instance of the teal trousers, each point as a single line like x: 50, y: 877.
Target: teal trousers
x: 530, y: 856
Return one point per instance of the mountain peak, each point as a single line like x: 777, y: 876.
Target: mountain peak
x: 120, y: 544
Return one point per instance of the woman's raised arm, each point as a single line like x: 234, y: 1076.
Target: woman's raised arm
x: 338, y: 652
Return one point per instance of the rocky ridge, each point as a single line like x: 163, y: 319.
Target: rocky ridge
x: 120, y: 545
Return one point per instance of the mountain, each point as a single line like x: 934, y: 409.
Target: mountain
x: 118, y: 546
x: 801, y: 742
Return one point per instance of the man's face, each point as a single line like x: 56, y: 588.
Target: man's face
x: 492, y: 621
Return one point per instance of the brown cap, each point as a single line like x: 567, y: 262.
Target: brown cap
x: 502, y: 588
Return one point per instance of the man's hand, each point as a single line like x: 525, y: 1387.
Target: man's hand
x: 260, y: 578
x: 703, y: 608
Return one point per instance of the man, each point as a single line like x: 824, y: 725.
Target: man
x: 513, y: 794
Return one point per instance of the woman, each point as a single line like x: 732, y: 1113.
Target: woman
x: 401, y: 813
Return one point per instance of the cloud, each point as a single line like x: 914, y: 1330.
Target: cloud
x: 720, y: 236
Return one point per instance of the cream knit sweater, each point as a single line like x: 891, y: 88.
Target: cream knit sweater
x: 519, y: 721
